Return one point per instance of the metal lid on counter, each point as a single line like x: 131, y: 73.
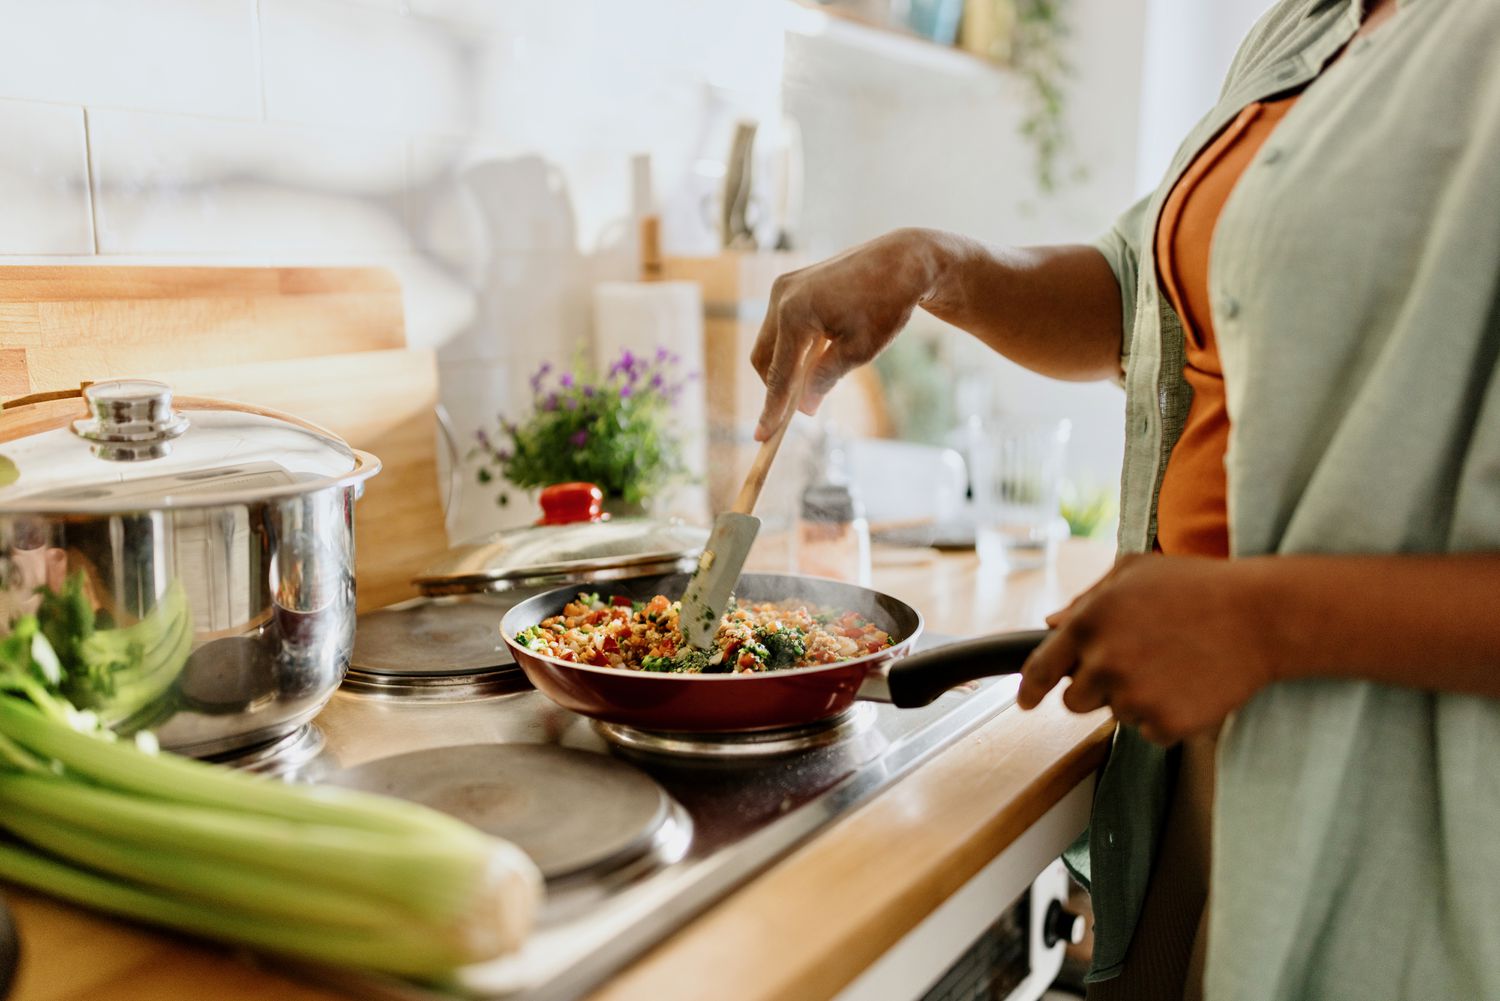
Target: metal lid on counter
x: 574, y: 543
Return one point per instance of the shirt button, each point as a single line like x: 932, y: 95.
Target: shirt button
x: 1272, y: 156
x: 1110, y: 839
x: 1229, y: 307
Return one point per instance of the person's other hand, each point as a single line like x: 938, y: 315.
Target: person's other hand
x: 1172, y: 644
x: 859, y: 300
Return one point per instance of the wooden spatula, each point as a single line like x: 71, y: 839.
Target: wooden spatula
x: 734, y: 531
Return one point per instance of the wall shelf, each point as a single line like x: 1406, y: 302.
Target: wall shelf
x: 850, y: 28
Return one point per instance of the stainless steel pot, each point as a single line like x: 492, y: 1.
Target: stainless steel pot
x: 214, y: 542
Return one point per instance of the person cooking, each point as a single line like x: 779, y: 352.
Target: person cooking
x: 1306, y: 320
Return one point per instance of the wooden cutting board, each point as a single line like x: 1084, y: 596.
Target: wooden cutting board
x: 325, y: 344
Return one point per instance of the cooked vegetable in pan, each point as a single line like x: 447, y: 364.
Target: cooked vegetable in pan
x: 753, y: 637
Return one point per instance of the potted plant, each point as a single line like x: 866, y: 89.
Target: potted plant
x: 612, y: 429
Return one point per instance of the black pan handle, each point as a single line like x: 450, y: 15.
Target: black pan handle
x: 919, y: 679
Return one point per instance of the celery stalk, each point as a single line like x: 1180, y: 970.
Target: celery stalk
x: 417, y: 950
x: 183, y: 780
x: 322, y: 873
x: 430, y: 876
x: 210, y: 881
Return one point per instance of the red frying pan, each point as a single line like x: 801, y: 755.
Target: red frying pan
x: 725, y: 703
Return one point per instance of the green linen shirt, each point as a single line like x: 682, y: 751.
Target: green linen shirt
x: 1355, y: 288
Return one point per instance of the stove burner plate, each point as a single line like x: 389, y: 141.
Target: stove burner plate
x: 752, y: 744
x: 572, y: 811
x: 430, y: 639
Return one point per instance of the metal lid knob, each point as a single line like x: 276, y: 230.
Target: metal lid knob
x: 132, y: 419
x: 567, y: 503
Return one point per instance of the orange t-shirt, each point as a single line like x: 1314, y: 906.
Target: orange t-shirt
x: 1192, y: 515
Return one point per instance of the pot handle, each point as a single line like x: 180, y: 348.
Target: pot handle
x: 46, y: 397
x: 919, y: 679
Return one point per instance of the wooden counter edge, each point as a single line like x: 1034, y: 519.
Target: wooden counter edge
x: 812, y: 923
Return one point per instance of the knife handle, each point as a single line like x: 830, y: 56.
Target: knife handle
x: 920, y: 678
x: 755, y: 480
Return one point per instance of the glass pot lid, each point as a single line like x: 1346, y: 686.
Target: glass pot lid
x: 573, y: 542
x: 126, y: 446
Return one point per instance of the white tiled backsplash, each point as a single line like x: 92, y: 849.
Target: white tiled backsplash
x: 481, y: 148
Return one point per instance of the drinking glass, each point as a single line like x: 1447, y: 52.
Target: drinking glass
x: 1017, y: 468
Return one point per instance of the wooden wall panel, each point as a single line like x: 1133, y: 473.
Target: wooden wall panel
x: 324, y: 344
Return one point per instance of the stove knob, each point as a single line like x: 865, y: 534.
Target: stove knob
x: 1062, y: 925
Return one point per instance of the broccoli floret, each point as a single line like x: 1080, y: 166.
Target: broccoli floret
x: 657, y: 665
x: 783, y: 647
x: 691, y: 660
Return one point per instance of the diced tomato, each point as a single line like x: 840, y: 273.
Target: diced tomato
x: 594, y: 618
x: 609, y: 645
x: 620, y: 601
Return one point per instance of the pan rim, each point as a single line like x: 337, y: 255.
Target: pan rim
x: 894, y: 650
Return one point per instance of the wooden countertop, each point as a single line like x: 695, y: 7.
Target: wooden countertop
x: 806, y: 927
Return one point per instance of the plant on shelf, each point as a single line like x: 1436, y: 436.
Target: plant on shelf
x: 613, y: 430
x: 1028, y: 36
x: 1036, y: 53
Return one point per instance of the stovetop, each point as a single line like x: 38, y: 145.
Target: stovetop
x: 688, y: 829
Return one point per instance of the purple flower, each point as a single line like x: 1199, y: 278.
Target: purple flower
x: 539, y: 375
x: 504, y: 455
x: 579, y: 438
x: 627, y: 360
x: 571, y: 403
x: 656, y: 381
x: 550, y: 403
x: 662, y: 354
x: 588, y: 391
x: 481, y: 437
x: 566, y: 380
x: 625, y: 391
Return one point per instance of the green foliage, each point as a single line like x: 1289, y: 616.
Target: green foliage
x: 66, y: 657
x: 1087, y: 511
x: 612, y: 430
x: 1037, y: 55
